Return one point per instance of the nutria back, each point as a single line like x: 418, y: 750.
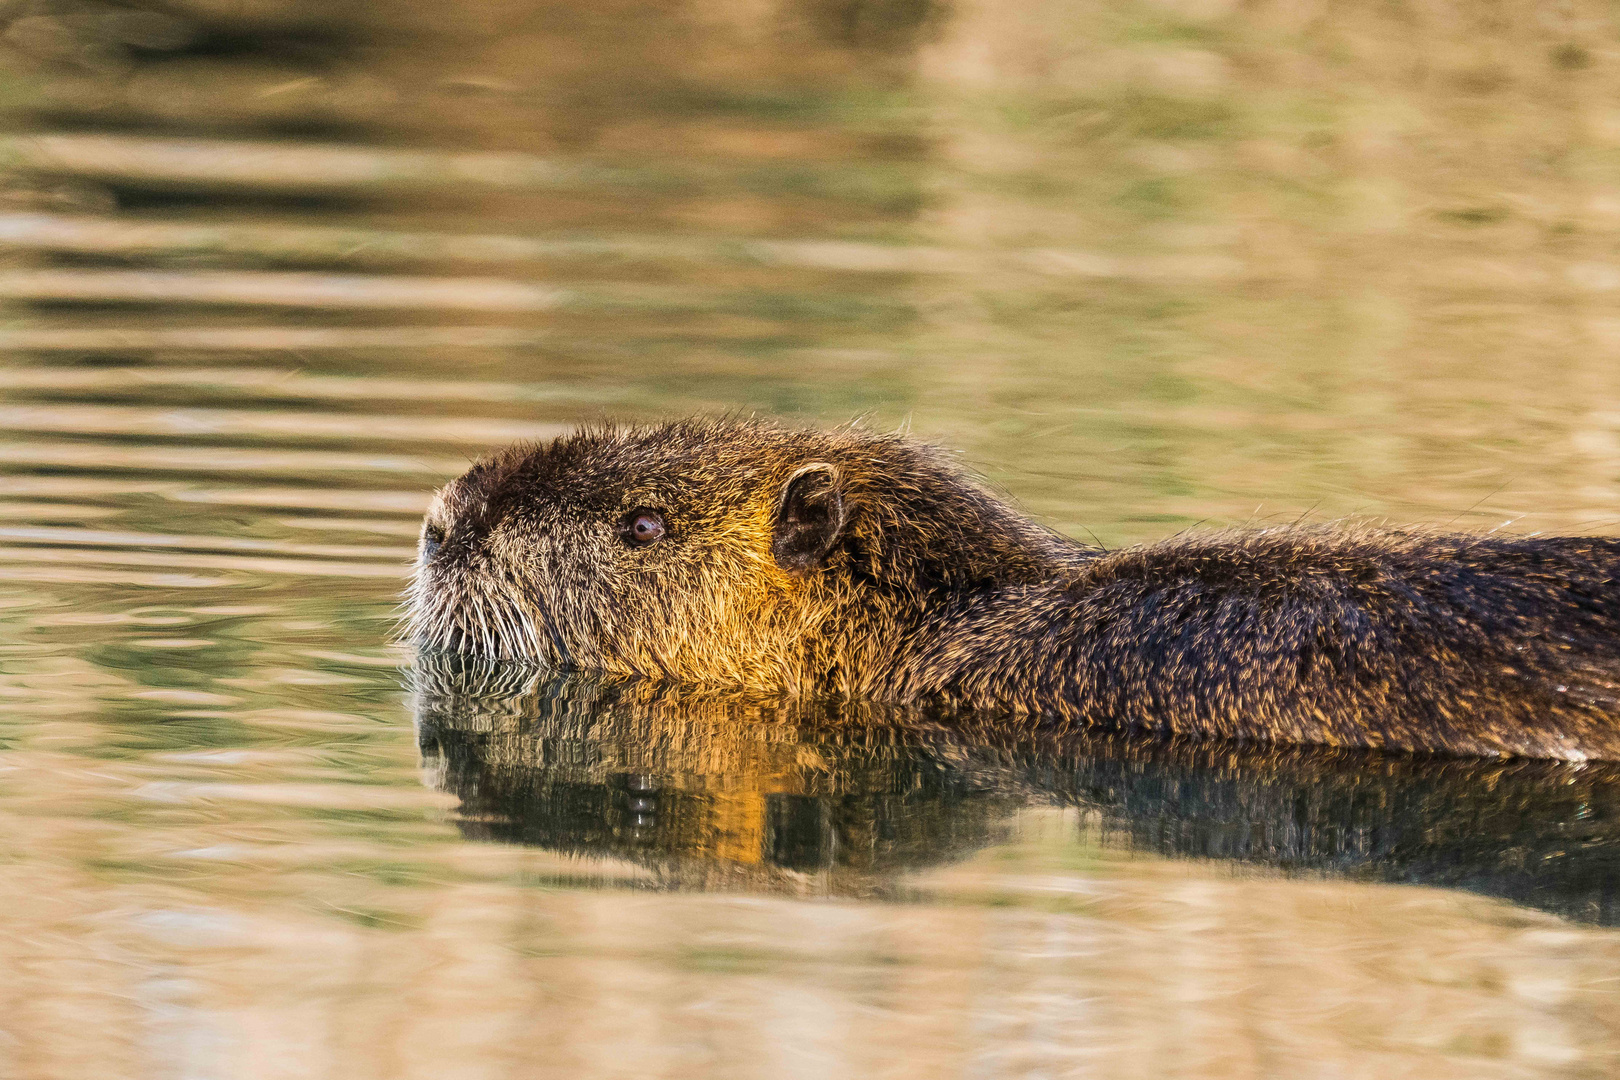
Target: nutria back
x: 1343, y: 637
x: 742, y: 553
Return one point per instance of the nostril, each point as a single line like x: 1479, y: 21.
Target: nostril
x: 432, y: 539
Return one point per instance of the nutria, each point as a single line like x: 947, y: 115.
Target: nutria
x: 846, y: 563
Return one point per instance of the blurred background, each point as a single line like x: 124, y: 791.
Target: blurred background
x: 273, y: 270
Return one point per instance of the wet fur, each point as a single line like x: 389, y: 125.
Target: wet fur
x: 934, y: 591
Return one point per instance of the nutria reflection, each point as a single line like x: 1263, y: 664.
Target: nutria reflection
x: 734, y: 791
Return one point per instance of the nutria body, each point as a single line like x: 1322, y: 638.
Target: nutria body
x: 741, y: 553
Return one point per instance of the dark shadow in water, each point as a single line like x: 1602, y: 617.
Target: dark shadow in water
x: 726, y: 790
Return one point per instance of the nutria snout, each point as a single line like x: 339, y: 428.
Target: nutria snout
x: 812, y: 562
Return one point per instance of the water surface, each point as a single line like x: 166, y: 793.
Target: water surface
x: 272, y: 273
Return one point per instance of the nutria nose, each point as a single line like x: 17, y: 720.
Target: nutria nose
x: 474, y: 505
x: 476, y: 520
x: 462, y: 534
x: 432, y: 540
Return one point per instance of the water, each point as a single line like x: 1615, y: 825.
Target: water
x: 272, y: 272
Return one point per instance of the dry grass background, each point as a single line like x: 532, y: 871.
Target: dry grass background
x: 1243, y: 258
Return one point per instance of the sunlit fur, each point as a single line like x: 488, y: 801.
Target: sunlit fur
x: 937, y: 592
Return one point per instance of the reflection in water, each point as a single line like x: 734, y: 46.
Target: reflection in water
x: 721, y: 790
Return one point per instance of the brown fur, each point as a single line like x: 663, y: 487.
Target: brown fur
x: 868, y: 565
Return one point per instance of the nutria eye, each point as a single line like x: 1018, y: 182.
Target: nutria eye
x: 642, y: 526
x: 432, y: 538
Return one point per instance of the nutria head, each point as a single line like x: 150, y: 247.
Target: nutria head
x: 720, y: 551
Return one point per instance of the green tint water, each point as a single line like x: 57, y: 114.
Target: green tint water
x: 271, y: 275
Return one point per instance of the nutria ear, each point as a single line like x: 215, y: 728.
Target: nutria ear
x: 809, y: 517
